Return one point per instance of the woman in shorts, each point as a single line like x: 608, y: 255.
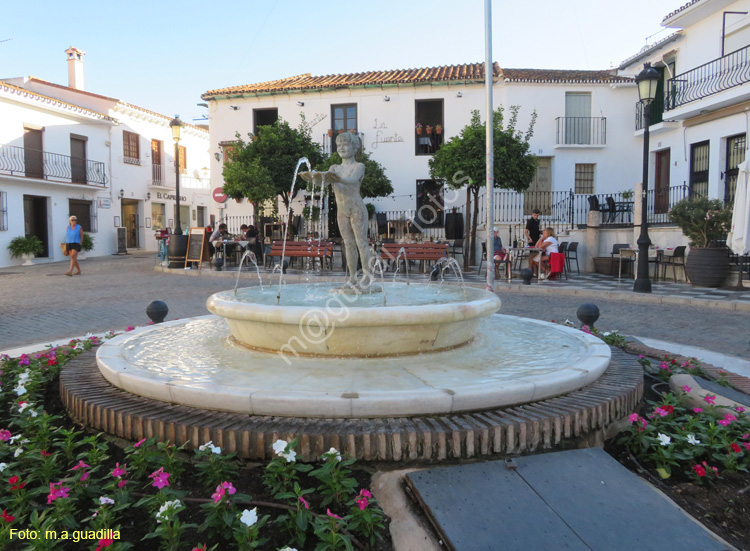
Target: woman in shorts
x: 73, y: 240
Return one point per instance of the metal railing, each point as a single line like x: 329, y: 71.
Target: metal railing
x: 655, y: 113
x: 710, y: 78
x: 32, y: 163
x: 660, y: 201
x: 581, y: 131
x: 156, y: 176
x: 189, y: 182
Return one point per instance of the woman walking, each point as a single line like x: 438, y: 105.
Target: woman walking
x: 73, y: 240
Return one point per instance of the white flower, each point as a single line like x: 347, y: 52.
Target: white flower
x: 606, y: 334
x: 215, y: 449
x: 203, y: 448
x: 569, y: 323
x: 23, y: 377
x: 333, y: 452
x: 18, y: 452
x: 691, y: 440
x: 33, y: 413
x: 23, y: 407
x: 249, y: 517
x: 287, y: 549
x: 665, y: 440
x: 167, y: 508
x: 3, y: 466
x: 20, y: 390
x: 279, y: 446
x: 104, y: 500
x: 290, y: 457
x: 14, y: 438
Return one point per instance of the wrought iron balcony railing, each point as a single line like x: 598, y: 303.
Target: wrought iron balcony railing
x: 31, y: 163
x: 581, y: 131
x: 655, y: 113
x: 710, y: 78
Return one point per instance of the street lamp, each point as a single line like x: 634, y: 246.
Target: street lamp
x: 176, y: 125
x: 647, y: 81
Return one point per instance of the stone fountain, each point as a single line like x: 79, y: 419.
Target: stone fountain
x: 313, y: 352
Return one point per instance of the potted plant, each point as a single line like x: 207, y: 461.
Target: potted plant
x: 26, y: 247
x: 352, y: 130
x: 87, y: 245
x: 627, y: 194
x: 428, y: 129
x: 418, y: 128
x: 704, y: 221
x: 439, y: 129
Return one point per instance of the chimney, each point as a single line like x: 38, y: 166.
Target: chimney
x: 75, y: 67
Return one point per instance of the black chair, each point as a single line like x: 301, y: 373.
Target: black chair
x: 484, y: 256
x: 630, y: 260
x: 457, y: 247
x: 562, y: 247
x: 597, y: 207
x: 677, y: 259
x: 571, y: 253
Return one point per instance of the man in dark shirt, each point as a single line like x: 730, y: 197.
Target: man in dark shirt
x: 532, y: 228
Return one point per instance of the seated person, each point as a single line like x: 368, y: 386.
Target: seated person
x: 497, y: 247
x: 548, y: 244
x: 218, y: 235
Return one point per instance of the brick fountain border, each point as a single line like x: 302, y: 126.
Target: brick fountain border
x: 92, y: 401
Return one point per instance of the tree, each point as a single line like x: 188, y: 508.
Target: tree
x: 262, y: 168
x: 462, y: 161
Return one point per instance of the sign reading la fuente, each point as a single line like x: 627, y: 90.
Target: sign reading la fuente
x: 383, y: 136
x: 170, y: 196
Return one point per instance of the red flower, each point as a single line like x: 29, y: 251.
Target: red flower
x: 15, y: 484
x: 45, y: 453
x: 700, y: 471
x: 8, y: 517
x: 735, y: 448
x: 104, y: 542
x: 668, y: 409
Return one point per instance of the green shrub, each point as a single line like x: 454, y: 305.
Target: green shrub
x: 30, y: 244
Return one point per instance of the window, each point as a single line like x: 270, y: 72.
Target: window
x: 699, y: 169
x: 735, y: 156
x: 130, y: 148
x: 585, y: 179
x: 3, y: 211
x: 264, y: 117
x: 577, y: 118
x: 156, y: 173
x: 158, y: 212
x: 184, y: 215
x: 430, y: 210
x: 344, y: 119
x: 429, y: 126
x: 183, y: 159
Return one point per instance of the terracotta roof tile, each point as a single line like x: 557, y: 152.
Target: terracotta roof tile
x: 470, y: 71
x: 562, y: 75
x: 678, y: 10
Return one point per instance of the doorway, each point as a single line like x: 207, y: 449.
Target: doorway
x: 538, y: 195
x: 661, y: 182
x: 35, y: 219
x: 735, y: 157
x: 131, y: 222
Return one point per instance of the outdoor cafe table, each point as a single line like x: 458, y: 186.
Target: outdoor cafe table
x: 517, y: 254
x: 225, y: 242
x: 657, y: 254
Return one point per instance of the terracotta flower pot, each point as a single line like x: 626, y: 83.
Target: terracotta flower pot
x: 419, y: 131
x: 428, y: 130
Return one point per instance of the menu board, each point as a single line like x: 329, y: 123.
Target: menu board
x: 195, y: 246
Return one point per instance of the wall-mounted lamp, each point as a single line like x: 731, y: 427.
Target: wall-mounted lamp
x: 301, y: 103
x: 234, y: 107
x: 459, y: 95
x: 148, y: 196
x: 122, y: 193
x: 217, y: 156
x: 386, y: 98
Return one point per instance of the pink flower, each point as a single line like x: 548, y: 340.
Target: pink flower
x: 724, y: 422
x: 218, y: 494
x: 130, y: 328
x: 104, y: 542
x: 231, y: 490
x: 739, y: 409
x: 5, y: 435
x: 686, y: 389
x: 196, y: 548
x: 709, y: 399
x: 721, y: 372
x: 330, y: 514
x: 304, y: 502
x: 84, y: 476
x: 81, y: 465
x: 56, y: 491
x: 141, y: 441
x: 661, y: 412
x: 160, y: 478
x: 747, y: 445
x: 633, y: 418
x: 45, y: 453
x: 730, y: 417
x: 697, y: 410
x: 118, y: 471
x: 362, y: 499
x: 122, y: 483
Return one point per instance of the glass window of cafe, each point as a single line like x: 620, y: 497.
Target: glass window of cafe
x: 184, y: 216
x: 158, y: 212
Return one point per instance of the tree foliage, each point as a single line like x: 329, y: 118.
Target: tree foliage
x: 262, y: 168
x: 702, y: 220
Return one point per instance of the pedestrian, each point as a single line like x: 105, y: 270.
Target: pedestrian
x: 73, y: 240
x: 532, y: 231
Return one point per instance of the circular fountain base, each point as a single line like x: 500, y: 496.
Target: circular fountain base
x: 193, y: 363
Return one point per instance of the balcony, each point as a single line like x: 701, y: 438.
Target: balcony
x: 590, y: 131
x: 708, y: 79
x: 31, y: 163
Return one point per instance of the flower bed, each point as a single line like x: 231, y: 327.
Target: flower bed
x: 61, y: 488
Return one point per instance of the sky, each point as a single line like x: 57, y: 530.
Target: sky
x: 163, y: 54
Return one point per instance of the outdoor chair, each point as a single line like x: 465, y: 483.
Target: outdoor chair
x: 571, y: 253
x: 457, y: 247
x: 616, y: 255
x: 677, y: 259
x: 597, y: 207
x: 557, y: 265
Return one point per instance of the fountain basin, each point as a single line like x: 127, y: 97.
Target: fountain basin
x: 313, y: 320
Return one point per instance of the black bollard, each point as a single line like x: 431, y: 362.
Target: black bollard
x: 284, y: 266
x: 588, y: 314
x: 218, y: 263
x: 157, y: 311
x: 435, y: 273
x: 527, y: 275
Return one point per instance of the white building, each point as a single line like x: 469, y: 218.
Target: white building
x: 583, y: 136
x: 64, y: 150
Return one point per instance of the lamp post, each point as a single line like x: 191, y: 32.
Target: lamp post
x: 647, y: 81
x: 176, y: 125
